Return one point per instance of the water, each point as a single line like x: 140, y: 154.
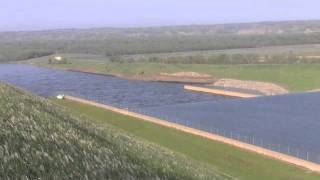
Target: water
x: 289, y: 124
x: 107, y: 89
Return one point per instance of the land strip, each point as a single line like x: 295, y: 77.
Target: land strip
x: 285, y: 158
x: 236, y: 162
x: 293, y: 77
x: 212, y: 90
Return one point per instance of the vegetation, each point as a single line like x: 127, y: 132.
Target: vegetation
x: 17, y: 54
x: 124, y: 41
x: 224, y: 51
x: 238, y: 163
x: 221, y: 58
x: 57, y: 60
x: 39, y: 140
x: 294, y: 77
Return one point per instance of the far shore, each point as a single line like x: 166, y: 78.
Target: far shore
x: 155, y: 78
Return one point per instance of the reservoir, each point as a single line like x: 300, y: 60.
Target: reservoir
x: 289, y: 124
x: 114, y: 91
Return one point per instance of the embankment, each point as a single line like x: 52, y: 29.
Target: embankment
x: 183, y: 79
x: 283, y: 157
x: 265, y: 88
x: 221, y: 92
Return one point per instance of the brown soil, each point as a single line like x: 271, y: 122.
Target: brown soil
x: 219, y: 92
x: 263, y: 87
x: 315, y: 90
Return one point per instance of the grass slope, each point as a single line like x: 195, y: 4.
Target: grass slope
x: 39, y: 140
x: 238, y: 163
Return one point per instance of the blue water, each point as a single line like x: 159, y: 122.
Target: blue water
x: 289, y: 124
x: 107, y: 89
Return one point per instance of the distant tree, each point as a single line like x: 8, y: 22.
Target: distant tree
x: 114, y: 58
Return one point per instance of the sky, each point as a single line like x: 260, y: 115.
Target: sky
x: 53, y: 14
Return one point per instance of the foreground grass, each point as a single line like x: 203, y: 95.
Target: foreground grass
x: 238, y: 163
x: 294, y: 77
x: 39, y: 140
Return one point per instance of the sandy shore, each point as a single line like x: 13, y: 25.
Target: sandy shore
x: 219, y: 92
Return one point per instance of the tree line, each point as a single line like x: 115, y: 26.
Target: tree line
x: 15, y: 48
x: 221, y: 58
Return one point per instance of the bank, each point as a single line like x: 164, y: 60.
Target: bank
x: 236, y: 162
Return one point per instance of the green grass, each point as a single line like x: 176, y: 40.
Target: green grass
x: 238, y: 163
x: 39, y: 140
x: 294, y: 77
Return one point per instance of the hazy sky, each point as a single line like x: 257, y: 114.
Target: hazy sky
x: 46, y: 14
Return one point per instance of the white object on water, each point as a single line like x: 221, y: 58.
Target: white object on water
x: 60, y: 96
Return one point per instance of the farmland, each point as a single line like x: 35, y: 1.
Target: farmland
x: 40, y: 140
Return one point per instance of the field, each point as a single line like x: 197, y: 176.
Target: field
x: 285, y: 53
x: 294, y: 77
x: 238, y: 163
x: 150, y: 40
x: 39, y: 140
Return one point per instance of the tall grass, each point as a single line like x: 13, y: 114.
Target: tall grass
x: 39, y: 140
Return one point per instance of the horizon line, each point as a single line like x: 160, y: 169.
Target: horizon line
x: 156, y: 26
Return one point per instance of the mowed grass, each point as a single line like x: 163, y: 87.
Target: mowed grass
x: 225, y: 158
x: 294, y: 77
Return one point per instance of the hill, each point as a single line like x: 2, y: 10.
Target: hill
x: 39, y: 140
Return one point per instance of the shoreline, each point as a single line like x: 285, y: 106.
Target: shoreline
x: 188, y: 82
x: 157, y: 78
x: 239, y: 144
x: 162, y: 78
x: 222, y: 92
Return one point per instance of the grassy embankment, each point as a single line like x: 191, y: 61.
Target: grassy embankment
x: 294, y: 77
x: 238, y: 163
x: 39, y: 140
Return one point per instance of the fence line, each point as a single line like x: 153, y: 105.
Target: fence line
x: 302, y: 154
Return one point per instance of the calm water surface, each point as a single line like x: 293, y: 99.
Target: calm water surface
x: 111, y: 90
x: 289, y: 124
